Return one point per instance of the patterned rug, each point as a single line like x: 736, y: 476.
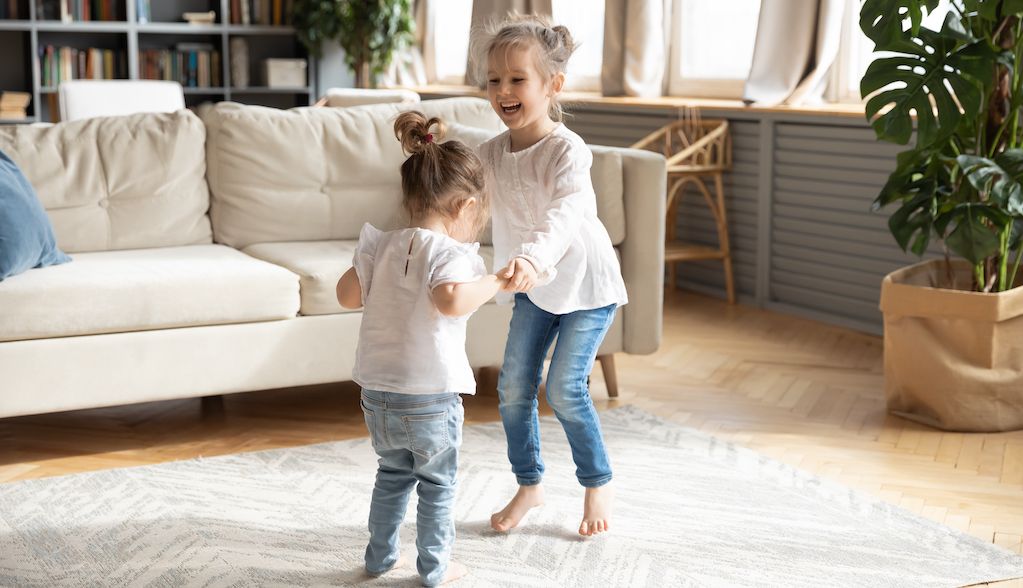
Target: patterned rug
x: 691, y: 511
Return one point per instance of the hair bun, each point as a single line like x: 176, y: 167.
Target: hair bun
x: 413, y: 131
x: 565, y: 36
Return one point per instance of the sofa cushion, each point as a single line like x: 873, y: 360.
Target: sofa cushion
x: 135, y: 290
x: 122, y: 182
x: 312, y: 173
x: 609, y: 183
x: 319, y: 265
x: 26, y: 237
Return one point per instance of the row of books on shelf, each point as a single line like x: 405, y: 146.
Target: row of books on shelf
x: 243, y: 12
x: 78, y: 10
x: 261, y: 12
x: 14, y: 105
x: 68, y: 63
x: 9, y: 10
x: 194, y: 65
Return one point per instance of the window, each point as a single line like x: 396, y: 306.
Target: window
x: 585, y: 20
x: 857, y: 51
x: 451, y: 39
x: 712, y: 47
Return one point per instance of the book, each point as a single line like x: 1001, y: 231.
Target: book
x: 265, y: 10
x: 190, y: 64
x: 11, y: 99
x: 12, y: 9
x: 13, y: 115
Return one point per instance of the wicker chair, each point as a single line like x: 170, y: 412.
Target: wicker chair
x: 698, y: 151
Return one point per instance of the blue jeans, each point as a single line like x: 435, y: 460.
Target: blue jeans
x: 579, y: 335
x: 416, y: 437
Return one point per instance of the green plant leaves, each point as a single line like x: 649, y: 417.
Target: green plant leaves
x: 960, y: 89
x: 937, y: 73
x: 315, y: 22
x: 972, y: 238
x: 993, y: 9
x: 914, y: 217
x: 882, y: 20
x: 368, y: 32
x: 999, y: 181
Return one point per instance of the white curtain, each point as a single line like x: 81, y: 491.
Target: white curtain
x: 797, y: 43
x: 636, y: 34
x: 487, y: 12
x: 416, y: 65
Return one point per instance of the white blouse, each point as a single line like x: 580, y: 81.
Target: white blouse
x: 545, y: 210
x: 405, y: 344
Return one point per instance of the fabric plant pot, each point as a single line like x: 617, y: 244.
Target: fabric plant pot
x: 953, y: 358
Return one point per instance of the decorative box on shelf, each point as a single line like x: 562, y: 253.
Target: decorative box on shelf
x: 285, y: 73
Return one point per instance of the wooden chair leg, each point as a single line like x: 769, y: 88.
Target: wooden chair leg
x: 607, y: 366
x: 729, y: 279
x: 723, y: 239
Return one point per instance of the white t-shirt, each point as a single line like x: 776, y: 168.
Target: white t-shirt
x: 545, y: 210
x: 405, y: 344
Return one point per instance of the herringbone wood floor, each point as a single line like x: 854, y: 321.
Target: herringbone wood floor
x: 804, y: 393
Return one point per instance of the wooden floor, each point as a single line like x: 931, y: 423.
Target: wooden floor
x: 804, y: 393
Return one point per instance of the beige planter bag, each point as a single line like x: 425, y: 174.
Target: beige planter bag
x: 953, y: 358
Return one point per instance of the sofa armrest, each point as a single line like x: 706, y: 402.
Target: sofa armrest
x: 644, y: 178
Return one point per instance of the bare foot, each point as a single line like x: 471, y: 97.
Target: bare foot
x: 509, y: 517
x: 456, y: 571
x: 597, y: 511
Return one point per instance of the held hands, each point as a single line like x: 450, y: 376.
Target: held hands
x: 520, y: 276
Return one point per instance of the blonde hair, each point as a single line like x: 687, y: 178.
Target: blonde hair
x: 437, y: 177
x: 552, y: 46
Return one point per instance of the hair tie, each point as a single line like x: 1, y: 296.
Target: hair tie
x: 428, y: 138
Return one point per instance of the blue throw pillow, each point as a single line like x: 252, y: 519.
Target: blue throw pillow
x: 26, y: 236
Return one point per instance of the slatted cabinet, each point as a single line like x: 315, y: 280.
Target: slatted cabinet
x: 804, y: 239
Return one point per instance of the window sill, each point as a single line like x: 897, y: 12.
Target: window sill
x: 569, y: 98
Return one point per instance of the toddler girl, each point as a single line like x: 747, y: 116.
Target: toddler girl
x: 418, y: 286
x: 557, y: 257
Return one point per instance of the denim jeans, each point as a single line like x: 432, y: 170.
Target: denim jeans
x: 416, y: 437
x: 579, y: 335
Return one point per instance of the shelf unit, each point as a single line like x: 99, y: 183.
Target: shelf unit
x: 20, y: 40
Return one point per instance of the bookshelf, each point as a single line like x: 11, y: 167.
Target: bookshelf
x: 24, y: 42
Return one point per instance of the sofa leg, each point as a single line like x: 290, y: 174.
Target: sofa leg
x: 607, y: 365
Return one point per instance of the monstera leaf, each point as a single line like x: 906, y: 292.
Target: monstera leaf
x: 947, y: 68
x: 999, y: 179
x: 882, y: 20
x: 976, y: 234
x: 961, y: 90
x: 992, y: 9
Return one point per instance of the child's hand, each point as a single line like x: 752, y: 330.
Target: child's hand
x: 521, y: 275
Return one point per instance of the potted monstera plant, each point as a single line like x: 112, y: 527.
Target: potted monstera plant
x: 369, y: 31
x: 953, y: 325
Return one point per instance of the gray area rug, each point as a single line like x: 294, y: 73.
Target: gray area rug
x: 691, y: 511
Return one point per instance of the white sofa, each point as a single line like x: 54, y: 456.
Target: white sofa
x: 206, y: 251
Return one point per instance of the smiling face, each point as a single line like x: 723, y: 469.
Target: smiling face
x: 518, y: 92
